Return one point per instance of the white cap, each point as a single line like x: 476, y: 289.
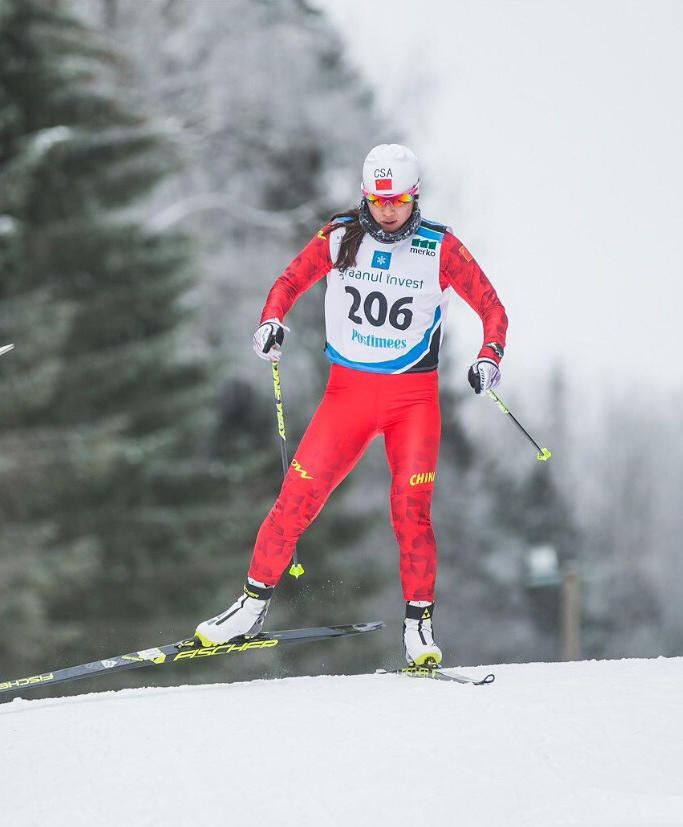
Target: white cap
x: 390, y: 169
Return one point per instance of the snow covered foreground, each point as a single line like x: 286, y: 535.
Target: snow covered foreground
x: 592, y: 743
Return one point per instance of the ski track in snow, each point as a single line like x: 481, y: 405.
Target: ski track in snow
x: 590, y: 743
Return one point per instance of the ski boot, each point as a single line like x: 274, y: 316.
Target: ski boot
x: 418, y: 635
x: 244, y: 617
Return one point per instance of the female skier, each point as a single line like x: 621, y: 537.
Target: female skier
x: 387, y: 271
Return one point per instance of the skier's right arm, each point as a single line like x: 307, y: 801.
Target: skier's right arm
x: 312, y: 263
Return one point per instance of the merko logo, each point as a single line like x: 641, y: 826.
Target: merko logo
x: 423, y: 247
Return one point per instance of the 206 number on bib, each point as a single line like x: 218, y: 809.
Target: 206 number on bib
x: 376, y: 309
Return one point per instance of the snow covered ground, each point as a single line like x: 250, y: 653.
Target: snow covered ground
x: 591, y: 743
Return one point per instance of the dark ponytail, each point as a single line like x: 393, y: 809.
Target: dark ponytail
x: 351, y: 240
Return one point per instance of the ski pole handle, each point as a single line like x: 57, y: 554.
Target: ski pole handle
x: 543, y: 453
x: 296, y: 569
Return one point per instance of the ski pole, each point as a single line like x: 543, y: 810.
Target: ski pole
x: 6, y: 349
x: 543, y: 453
x: 296, y: 569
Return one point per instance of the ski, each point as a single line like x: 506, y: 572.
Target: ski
x: 189, y: 649
x: 6, y: 349
x: 437, y: 674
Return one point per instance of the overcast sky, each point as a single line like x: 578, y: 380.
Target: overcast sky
x: 550, y: 134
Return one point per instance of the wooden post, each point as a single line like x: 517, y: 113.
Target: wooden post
x: 570, y: 616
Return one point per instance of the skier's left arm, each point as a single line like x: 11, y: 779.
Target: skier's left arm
x: 460, y: 271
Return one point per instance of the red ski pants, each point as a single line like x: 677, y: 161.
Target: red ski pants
x: 356, y: 407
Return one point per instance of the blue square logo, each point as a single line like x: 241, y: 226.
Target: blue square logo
x: 381, y: 260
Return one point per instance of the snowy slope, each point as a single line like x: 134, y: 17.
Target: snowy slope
x: 593, y: 743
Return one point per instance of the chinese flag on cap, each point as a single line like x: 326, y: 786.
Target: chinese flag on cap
x: 382, y: 183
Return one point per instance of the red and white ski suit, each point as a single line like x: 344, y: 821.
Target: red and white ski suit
x: 384, y: 326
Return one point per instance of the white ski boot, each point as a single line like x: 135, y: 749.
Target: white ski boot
x: 244, y: 617
x: 418, y: 634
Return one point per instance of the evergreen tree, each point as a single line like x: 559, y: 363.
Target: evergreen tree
x: 110, y: 511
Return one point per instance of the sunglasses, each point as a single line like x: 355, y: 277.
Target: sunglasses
x: 394, y: 200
